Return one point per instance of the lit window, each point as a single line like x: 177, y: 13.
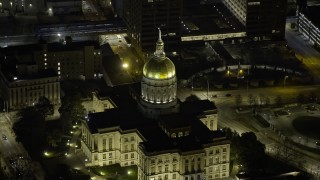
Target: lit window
x: 58, y: 68
x: 30, y: 5
x: 58, y: 63
x: 59, y: 72
x: 45, y: 55
x: 45, y: 59
x: 45, y: 64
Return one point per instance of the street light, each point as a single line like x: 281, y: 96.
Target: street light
x: 125, y: 65
x: 284, y: 81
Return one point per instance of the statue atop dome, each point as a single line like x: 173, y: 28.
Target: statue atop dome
x: 159, y: 47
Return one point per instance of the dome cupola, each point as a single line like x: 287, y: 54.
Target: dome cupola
x: 159, y: 66
x: 159, y: 83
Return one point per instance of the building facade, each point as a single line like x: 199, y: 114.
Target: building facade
x: 22, y: 90
x: 180, y: 143
x: 70, y: 60
x: 29, y: 7
x: 263, y: 19
x: 309, y: 24
x: 143, y: 16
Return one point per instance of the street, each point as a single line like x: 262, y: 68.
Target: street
x: 228, y: 117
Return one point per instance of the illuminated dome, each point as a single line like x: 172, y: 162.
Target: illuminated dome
x: 159, y: 82
x: 159, y: 68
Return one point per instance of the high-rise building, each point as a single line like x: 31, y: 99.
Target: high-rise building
x: 143, y: 17
x: 263, y: 19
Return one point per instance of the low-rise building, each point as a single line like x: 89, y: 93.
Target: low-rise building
x: 70, y: 60
x: 22, y: 85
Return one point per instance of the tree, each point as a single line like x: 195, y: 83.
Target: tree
x: 245, y: 150
x: 54, y: 138
x: 30, y: 130
x: 249, y: 150
x: 44, y: 106
x: 267, y: 101
x: 251, y: 99
x: 71, y: 111
x: 238, y: 100
x: 62, y: 171
x: 192, y: 97
x: 278, y: 101
x: 312, y: 97
x: 262, y: 99
x: 300, y: 98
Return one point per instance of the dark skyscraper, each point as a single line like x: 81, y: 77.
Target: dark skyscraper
x: 263, y: 19
x: 143, y: 17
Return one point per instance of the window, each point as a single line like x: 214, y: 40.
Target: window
x: 174, y: 167
x: 132, y: 147
x: 217, y: 151
x: 104, y: 144
x: 159, y: 169
x: 166, y: 177
x: 166, y: 169
x: 217, y: 159
x: 132, y: 155
x: 217, y: 168
x: 126, y: 148
x: 210, y: 161
x: 224, y: 150
x: 110, y: 155
x: 110, y: 143
x: 126, y: 156
x: 173, y: 176
x: 224, y: 167
x: 104, y: 156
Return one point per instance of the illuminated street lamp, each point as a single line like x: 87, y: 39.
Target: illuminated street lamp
x: 125, y: 65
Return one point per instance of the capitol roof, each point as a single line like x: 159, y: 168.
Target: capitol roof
x: 159, y: 66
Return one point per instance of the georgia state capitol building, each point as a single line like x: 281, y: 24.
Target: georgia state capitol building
x: 149, y: 127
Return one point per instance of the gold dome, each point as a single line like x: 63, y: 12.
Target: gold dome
x: 159, y: 68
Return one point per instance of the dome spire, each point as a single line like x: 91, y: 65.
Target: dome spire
x: 159, y: 46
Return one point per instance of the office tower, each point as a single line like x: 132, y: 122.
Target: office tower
x: 143, y: 17
x: 263, y: 19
